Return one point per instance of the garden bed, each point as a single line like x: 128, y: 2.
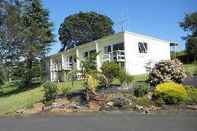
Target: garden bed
x: 114, y: 100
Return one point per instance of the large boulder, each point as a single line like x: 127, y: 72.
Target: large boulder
x: 117, y: 103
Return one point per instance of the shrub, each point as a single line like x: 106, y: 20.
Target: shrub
x: 171, y: 93
x: 123, y: 77
x: 167, y: 70
x: 192, y: 94
x: 65, y: 90
x: 11, y: 87
x: 143, y: 101
x: 50, y: 92
x: 141, y: 90
x: 110, y: 71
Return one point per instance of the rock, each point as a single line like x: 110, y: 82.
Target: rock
x: 20, y: 111
x: 149, y: 96
x: 117, y: 103
x: 121, y: 102
x: 56, y: 105
x: 110, y: 103
x: 146, y: 111
x: 38, y: 107
x: 140, y: 108
x: 192, y: 107
x: 73, y: 106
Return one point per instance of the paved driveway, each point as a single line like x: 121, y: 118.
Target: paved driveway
x: 103, y: 122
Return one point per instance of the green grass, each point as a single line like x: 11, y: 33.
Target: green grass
x: 115, y: 82
x: 11, y: 103
x: 73, y: 87
x: 190, y: 68
x: 136, y: 78
x: 24, y: 99
x: 142, y: 77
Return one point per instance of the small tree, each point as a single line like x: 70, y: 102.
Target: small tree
x: 110, y: 71
x: 50, y: 92
x: 167, y: 70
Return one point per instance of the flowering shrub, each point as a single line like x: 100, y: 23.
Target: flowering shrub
x: 171, y: 93
x: 167, y: 70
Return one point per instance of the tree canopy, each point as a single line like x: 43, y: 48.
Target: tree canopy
x: 25, y: 36
x: 10, y: 38
x: 84, y: 27
x: 37, y: 35
x: 189, y: 25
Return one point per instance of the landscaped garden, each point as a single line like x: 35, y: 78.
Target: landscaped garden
x: 26, y: 35
x: 109, y: 90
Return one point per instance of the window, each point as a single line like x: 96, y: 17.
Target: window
x: 86, y: 54
x: 89, y: 53
x: 92, y: 52
x: 107, y: 49
x: 119, y: 46
x: 143, y: 47
x: 70, y: 60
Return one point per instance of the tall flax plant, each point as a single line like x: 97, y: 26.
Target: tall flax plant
x: 90, y: 75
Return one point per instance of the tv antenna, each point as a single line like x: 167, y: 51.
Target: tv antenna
x: 124, y: 20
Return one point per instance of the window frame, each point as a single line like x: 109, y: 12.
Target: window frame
x: 143, y: 47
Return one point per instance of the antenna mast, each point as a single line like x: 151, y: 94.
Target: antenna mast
x: 123, y: 22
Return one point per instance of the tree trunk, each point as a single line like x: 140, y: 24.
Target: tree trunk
x: 28, y: 80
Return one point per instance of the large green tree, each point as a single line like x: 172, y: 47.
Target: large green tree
x: 189, y: 25
x: 25, y: 37
x: 37, y: 35
x: 84, y: 27
x: 10, y: 36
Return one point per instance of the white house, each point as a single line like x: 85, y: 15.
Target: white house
x: 134, y: 52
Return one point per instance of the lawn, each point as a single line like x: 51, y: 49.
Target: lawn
x: 190, y: 68
x: 24, y: 99
x: 142, y: 77
x: 73, y: 86
x: 11, y: 103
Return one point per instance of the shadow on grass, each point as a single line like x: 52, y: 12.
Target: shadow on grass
x: 18, y: 90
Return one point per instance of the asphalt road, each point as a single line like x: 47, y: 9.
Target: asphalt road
x: 103, y: 122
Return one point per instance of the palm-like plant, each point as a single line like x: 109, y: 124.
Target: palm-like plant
x: 90, y: 75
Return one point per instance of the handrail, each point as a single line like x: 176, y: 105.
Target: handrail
x: 118, y: 55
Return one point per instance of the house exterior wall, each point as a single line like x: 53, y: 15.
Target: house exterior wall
x: 114, y: 39
x: 135, y: 61
x: 82, y: 49
x: 98, y: 45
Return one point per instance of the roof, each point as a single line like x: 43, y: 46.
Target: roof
x: 109, y: 36
x: 147, y: 36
